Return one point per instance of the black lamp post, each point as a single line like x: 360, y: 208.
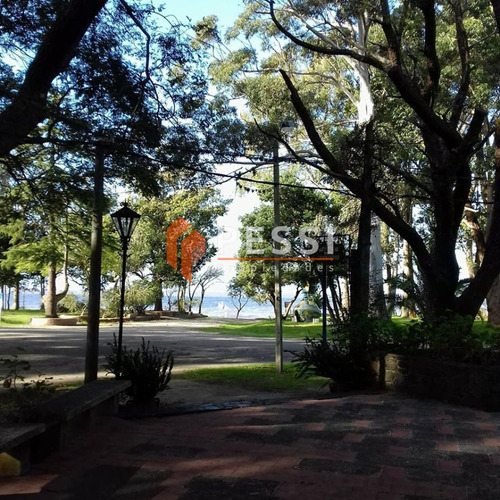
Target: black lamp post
x: 323, y: 251
x: 125, y: 221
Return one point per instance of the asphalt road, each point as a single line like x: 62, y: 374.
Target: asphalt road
x: 59, y: 352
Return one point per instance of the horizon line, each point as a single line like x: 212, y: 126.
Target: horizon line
x: 278, y: 258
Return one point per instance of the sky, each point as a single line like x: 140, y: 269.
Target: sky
x: 226, y: 10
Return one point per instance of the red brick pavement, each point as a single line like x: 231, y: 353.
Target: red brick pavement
x: 381, y: 446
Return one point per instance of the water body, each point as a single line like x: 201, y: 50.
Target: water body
x: 215, y: 307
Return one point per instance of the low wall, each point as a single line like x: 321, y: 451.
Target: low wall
x: 68, y: 321
x: 458, y: 383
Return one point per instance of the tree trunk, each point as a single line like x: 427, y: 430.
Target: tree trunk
x: 360, y: 293
x: 16, y: 294
x: 158, y: 306
x: 289, y: 305
x: 448, y: 154
x: 181, y: 299
x: 202, y: 298
x: 407, y: 310
x: 391, y: 267
x: 49, y: 299
x: 493, y: 301
x: 344, y: 283
x: 378, y: 306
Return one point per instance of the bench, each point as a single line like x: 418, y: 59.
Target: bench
x: 86, y: 398
x: 56, y: 421
x: 15, y: 453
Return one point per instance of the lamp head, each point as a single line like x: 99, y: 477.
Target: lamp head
x: 125, y: 221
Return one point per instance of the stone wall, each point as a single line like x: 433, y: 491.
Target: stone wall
x: 459, y: 383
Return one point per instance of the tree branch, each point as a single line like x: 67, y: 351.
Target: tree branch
x: 392, y: 67
x: 433, y: 67
x: 464, y: 52
x: 333, y: 51
x: 355, y: 185
x: 56, y: 50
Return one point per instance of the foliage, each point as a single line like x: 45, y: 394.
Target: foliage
x: 299, y: 208
x: 124, y: 79
x: 148, y: 248
x: 111, y: 303
x: 148, y: 368
x: 15, y: 367
x: 72, y: 304
x: 332, y: 360
x: 145, y: 86
x: 139, y: 295
x: 345, y: 357
x: 451, y: 337
x: 25, y: 393
x: 372, y: 333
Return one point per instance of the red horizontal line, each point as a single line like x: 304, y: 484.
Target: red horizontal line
x: 278, y: 258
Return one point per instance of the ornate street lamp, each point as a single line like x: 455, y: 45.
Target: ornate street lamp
x: 125, y: 221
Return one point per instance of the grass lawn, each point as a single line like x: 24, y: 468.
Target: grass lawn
x: 265, y: 328
x: 261, y: 377
x: 19, y: 318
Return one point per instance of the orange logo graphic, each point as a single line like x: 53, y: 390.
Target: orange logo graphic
x: 193, y: 247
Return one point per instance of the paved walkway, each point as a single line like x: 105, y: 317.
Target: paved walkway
x: 59, y: 352
x: 377, y: 446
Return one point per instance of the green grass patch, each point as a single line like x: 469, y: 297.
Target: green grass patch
x: 265, y: 328
x: 22, y: 317
x: 260, y: 377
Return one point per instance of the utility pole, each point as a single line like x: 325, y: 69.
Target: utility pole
x: 277, y: 264
x: 94, y: 306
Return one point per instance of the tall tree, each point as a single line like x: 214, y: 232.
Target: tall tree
x: 148, y: 249
x: 446, y: 86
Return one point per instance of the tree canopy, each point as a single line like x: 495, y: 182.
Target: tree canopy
x: 435, y: 105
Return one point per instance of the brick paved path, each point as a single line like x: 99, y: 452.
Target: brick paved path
x: 382, y: 446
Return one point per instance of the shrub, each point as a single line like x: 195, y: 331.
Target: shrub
x: 23, y: 395
x: 140, y: 295
x: 330, y: 359
x: 453, y: 337
x: 372, y: 333
x: 111, y: 303
x: 148, y: 368
x: 71, y: 304
x: 337, y: 358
